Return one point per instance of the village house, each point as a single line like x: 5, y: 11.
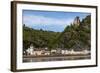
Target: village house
x: 38, y: 51
x: 58, y: 50
x: 53, y: 51
x: 41, y: 51
x: 64, y: 51
x: 45, y: 51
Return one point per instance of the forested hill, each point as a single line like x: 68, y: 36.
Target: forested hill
x: 39, y: 38
x: 74, y: 36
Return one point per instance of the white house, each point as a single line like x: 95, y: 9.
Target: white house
x: 37, y: 52
x: 47, y: 53
x: 74, y: 52
x: 86, y: 52
x: 64, y: 51
x: 53, y: 51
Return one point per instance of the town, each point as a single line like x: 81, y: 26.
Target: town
x: 31, y: 51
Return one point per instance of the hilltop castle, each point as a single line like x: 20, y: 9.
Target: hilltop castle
x: 76, y: 21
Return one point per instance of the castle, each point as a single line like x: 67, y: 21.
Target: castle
x: 76, y: 21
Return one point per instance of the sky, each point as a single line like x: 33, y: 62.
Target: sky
x: 50, y: 20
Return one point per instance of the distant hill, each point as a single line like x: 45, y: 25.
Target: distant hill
x: 75, y: 36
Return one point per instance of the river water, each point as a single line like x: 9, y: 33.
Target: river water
x: 44, y: 59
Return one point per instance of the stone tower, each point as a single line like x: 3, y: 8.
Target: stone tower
x: 76, y: 21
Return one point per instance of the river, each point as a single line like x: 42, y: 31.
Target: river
x: 57, y: 58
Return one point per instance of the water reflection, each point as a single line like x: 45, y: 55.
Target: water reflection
x: 44, y: 59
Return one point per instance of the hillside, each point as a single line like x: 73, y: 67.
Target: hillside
x: 75, y: 37
x: 39, y: 38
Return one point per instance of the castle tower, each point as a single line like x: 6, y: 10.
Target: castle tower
x: 76, y: 21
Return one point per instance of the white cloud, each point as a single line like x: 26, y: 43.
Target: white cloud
x: 30, y: 20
